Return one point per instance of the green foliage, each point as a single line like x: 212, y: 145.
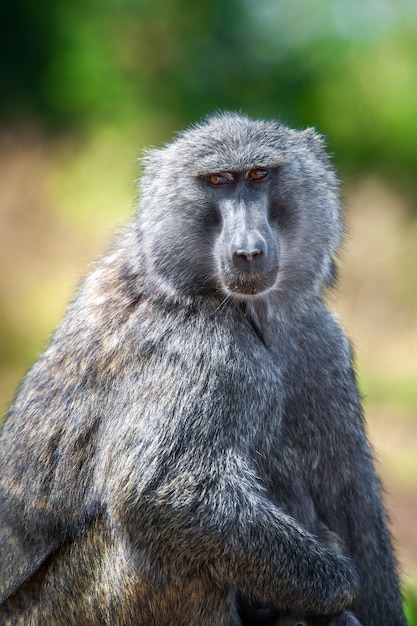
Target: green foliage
x: 348, y: 67
x: 410, y: 606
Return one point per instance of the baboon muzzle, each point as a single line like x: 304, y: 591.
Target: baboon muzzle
x: 249, y: 250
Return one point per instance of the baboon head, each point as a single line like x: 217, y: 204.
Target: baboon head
x: 241, y: 208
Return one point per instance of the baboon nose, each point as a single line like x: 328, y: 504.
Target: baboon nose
x: 250, y: 259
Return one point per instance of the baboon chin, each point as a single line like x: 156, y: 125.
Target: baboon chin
x: 194, y: 423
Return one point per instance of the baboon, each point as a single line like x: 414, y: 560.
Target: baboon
x: 197, y: 410
x: 265, y: 617
x: 345, y: 618
x: 252, y: 613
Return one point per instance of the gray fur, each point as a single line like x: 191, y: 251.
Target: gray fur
x: 252, y: 613
x: 190, y: 421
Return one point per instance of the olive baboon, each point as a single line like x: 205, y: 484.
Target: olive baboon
x: 196, y: 402
x: 252, y: 613
x: 263, y: 617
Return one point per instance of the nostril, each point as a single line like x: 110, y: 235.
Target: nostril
x: 248, y: 261
x: 249, y: 255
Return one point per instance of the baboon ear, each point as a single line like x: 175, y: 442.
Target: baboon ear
x: 316, y: 143
x: 24, y: 543
x: 313, y: 139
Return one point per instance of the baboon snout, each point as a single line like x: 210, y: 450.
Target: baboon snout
x: 249, y: 253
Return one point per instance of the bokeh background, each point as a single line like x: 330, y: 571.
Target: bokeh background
x: 86, y: 84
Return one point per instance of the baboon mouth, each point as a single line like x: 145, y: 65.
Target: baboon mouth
x: 249, y: 284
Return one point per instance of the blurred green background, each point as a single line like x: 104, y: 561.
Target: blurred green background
x: 86, y: 84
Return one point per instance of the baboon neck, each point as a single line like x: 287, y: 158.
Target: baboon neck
x: 257, y: 312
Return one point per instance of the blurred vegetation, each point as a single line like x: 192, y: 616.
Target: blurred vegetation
x: 411, y: 607
x: 84, y: 84
x: 347, y: 67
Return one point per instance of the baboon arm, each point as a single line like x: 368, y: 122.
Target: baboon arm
x: 370, y: 547
x: 41, y: 501
x: 279, y: 562
x: 23, y: 550
x: 45, y: 475
x: 233, y: 534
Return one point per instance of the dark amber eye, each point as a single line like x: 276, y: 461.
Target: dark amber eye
x: 258, y: 174
x: 221, y: 178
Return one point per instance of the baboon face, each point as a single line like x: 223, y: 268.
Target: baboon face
x: 246, y: 249
x: 242, y: 208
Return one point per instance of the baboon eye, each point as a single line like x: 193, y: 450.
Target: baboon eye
x: 257, y: 174
x: 221, y: 178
